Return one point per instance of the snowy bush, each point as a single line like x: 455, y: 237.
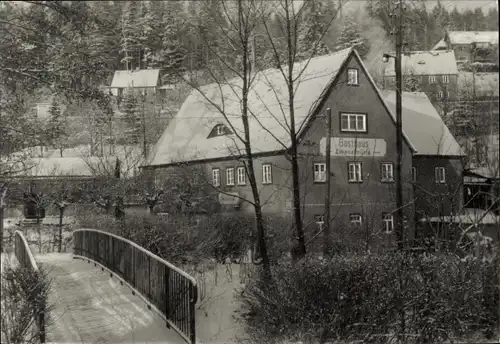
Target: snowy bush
x: 374, y: 298
x: 181, y: 239
x: 24, y: 295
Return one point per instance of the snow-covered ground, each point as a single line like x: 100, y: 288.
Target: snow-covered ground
x: 216, y: 314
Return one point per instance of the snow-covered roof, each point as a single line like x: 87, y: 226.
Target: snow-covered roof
x: 469, y: 37
x: 468, y: 216
x: 67, y: 167
x: 425, y: 63
x: 423, y: 125
x: 441, y: 45
x: 185, y: 138
x: 135, y: 78
x: 486, y: 84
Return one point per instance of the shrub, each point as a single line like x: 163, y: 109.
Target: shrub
x: 371, y: 297
x: 24, y: 294
x: 180, y: 239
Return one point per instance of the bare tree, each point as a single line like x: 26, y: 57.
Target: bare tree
x: 232, y: 83
x: 285, y: 54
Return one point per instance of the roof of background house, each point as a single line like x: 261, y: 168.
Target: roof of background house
x: 467, y: 216
x: 486, y: 84
x: 76, y: 161
x: 185, y: 138
x: 135, y: 78
x: 53, y: 167
x: 468, y: 37
x: 423, y: 125
x: 426, y: 63
x: 441, y: 45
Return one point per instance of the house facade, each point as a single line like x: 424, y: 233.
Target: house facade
x: 142, y: 81
x: 471, y: 46
x: 433, y: 72
x: 363, y: 147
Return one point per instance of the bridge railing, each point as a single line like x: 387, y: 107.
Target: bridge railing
x: 170, y: 290
x: 26, y: 261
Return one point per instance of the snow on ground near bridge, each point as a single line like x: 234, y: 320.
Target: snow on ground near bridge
x: 91, y: 307
x: 217, y: 306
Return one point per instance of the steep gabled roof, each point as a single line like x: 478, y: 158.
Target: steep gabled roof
x: 185, y: 138
x: 423, y: 125
x: 469, y: 37
x: 426, y: 63
x: 135, y: 78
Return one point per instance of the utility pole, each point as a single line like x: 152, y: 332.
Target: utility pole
x: 326, y: 224
x: 399, y: 127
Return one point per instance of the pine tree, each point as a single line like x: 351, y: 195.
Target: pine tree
x: 132, y: 116
x: 172, y: 55
x: 130, y: 34
x: 350, y: 37
x: 56, y: 126
x: 313, y: 28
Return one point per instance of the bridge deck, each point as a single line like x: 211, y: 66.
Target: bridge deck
x: 90, y: 307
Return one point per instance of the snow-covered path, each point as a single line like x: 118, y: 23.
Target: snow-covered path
x: 91, y: 307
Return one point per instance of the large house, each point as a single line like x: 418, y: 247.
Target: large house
x: 363, y: 145
x: 471, y: 46
x: 433, y: 72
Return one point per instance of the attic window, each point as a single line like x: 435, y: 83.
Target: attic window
x: 219, y: 130
x: 421, y: 62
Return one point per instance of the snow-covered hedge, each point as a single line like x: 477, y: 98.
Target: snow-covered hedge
x: 374, y: 298
x: 183, y: 239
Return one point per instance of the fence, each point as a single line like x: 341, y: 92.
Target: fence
x: 172, y: 291
x: 27, y: 261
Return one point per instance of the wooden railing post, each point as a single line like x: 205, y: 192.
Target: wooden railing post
x: 149, y: 276
x: 167, y: 292
x: 192, y: 305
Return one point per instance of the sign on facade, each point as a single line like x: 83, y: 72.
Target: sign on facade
x: 229, y: 198
x: 352, y: 146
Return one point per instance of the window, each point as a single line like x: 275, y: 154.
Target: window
x: 440, y: 94
x: 432, y: 79
x: 242, y: 180
x: 220, y: 130
x: 445, y: 79
x: 230, y: 176
x: 352, y: 77
x: 267, y: 175
x: 355, y: 172
x: 355, y: 219
x: 414, y: 174
x: 320, y: 221
x: 216, y: 177
x: 387, y: 172
x: 447, y: 94
x: 353, y: 122
x: 439, y: 175
x: 319, y: 172
x: 388, y: 222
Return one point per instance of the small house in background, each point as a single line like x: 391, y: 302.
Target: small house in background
x: 145, y: 81
x: 471, y: 46
x: 433, y: 72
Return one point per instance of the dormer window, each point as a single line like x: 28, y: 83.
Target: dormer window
x: 219, y: 130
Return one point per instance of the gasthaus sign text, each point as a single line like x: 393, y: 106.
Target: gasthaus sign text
x: 351, y: 146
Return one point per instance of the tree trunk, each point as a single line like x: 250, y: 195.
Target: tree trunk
x: 299, y: 251
x: 61, y: 215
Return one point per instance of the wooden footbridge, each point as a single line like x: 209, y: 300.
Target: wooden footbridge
x: 111, y: 290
